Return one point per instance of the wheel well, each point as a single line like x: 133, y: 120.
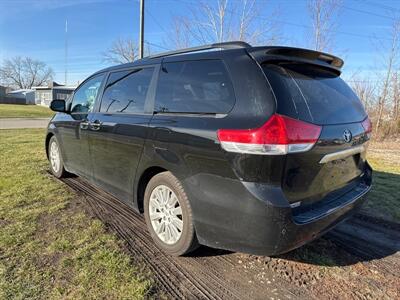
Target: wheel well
x: 143, y: 181
x: 48, y: 137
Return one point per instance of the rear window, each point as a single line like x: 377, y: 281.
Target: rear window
x: 313, y: 94
x: 194, y: 87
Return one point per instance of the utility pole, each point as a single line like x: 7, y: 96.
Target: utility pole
x: 66, y: 52
x: 141, y: 30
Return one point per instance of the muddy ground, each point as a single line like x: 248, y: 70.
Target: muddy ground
x: 360, y: 259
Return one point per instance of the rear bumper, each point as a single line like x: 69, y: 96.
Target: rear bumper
x: 254, y: 218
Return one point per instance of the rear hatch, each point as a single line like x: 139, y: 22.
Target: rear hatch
x: 336, y: 163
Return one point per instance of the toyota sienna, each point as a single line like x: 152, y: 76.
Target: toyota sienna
x: 251, y: 149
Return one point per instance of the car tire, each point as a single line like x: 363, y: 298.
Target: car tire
x: 169, y: 216
x: 55, y: 158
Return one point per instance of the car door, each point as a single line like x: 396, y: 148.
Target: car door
x: 73, y: 130
x: 119, y: 128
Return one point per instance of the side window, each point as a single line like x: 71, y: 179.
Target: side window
x: 85, y: 96
x: 194, y: 87
x: 126, y: 91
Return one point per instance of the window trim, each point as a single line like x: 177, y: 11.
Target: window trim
x: 148, y: 108
x: 69, y: 105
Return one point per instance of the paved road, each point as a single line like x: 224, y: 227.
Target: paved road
x: 13, y: 123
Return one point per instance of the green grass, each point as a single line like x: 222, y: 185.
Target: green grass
x: 24, y: 111
x: 382, y: 202
x: 49, y: 248
x: 384, y: 199
x: 317, y: 253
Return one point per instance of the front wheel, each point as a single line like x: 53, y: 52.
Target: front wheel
x: 168, y: 215
x: 55, y: 158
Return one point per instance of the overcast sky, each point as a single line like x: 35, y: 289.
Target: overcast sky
x: 36, y: 28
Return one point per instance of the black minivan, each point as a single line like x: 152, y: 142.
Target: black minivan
x: 251, y: 149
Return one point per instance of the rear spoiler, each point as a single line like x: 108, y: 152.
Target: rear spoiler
x: 289, y: 54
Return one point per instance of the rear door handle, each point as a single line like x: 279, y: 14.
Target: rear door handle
x: 96, y: 125
x: 84, y: 125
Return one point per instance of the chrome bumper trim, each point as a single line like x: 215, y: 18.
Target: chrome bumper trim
x: 342, y: 154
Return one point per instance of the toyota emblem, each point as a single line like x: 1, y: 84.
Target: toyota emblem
x: 347, y: 136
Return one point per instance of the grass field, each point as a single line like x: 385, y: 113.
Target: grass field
x: 384, y: 198
x: 49, y: 248
x: 24, y: 111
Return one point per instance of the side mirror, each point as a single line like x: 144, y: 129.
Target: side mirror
x: 58, y: 105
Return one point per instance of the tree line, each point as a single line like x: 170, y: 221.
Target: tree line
x: 252, y: 21
x: 222, y: 20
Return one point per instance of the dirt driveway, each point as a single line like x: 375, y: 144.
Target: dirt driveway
x: 13, y: 123
x: 359, y: 259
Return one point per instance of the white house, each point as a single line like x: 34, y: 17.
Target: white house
x: 45, y: 94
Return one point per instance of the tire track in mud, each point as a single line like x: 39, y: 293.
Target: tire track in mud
x: 184, y: 277
x: 370, y: 239
x: 366, y: 237
x: 138, y: 243
x: 218, y: 274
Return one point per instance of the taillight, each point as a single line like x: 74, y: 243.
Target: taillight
x: 367, y: 126
x: 279, y: 135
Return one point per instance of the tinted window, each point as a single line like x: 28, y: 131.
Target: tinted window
x: 313, y: 94
x: 126, y: 91
x: 194, y: 87
x: 86, y: 94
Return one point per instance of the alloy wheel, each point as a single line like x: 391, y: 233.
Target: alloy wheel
x: 165, y: 214
x: 55, y: 157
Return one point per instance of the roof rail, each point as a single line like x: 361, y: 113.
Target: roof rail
x: 225, y: 45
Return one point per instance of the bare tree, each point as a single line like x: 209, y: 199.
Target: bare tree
x: 365, y: 90
x: 389, y: 60
x: 121, y: 51
x: 223, y: 20
x: 323, y: 14
x: 181, y: 37
x: 24, y: 72
x: 395, y: 127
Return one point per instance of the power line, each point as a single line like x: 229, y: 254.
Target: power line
x: 156, y: 21
x: 297, y: 24
x: 158, y: 46
x: 363, y: 81
x: 383, y: 6
x: 368, y: 12
x: 161, y: 27
x: 333, y: 31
